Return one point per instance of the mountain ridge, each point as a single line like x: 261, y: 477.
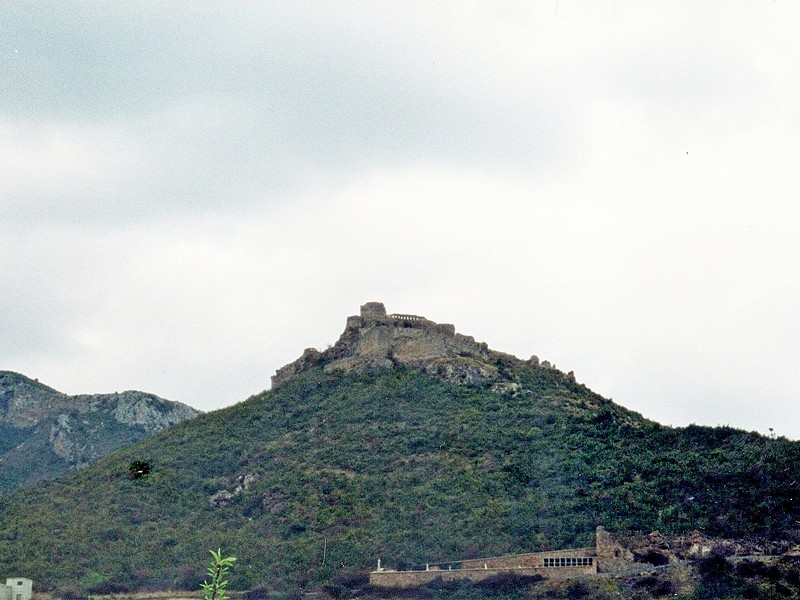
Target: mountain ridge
x: 48, y: 433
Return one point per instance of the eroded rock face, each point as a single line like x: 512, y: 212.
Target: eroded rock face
x: 657, y: 549
x: 76, y: 429
x: 377, y: 340
x: 24, y: 402
x: 374, y: 339
x: 225, y: 498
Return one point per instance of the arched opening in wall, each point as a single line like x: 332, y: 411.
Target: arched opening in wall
x: 616, y: 553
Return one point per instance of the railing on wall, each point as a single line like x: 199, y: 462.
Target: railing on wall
x: 407, y: 317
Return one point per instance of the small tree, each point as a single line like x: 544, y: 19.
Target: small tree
x: 138, y: 469
x: 218, y: 571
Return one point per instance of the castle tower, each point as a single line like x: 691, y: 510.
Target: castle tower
x: 373, y: 311
x: 611, y: 555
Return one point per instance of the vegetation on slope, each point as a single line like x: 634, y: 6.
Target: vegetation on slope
x: 45, y: 433
x: 398, y: 465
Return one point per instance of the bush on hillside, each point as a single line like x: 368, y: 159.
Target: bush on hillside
x: 507, y: 582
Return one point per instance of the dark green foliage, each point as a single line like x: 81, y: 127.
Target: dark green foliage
x: 504, y: 586
x: 345, y: 585
x: 11, y: 437
x: 72, y: 592
x: 713, y: 567
x: 508, y: 582
x: 577, y: 589
x: 761, y: 580
x: 262, y: 592
x: 138, y: 469
x: 655, y: 586
x: 108, y: 587
x: 398, y: 465
x: 652, y: 557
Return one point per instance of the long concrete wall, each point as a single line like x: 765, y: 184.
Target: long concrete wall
x: 404, y: 579
x: 608, y: 555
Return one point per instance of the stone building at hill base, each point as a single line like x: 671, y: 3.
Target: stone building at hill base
x: 607, y: 556
x: 16, y: 588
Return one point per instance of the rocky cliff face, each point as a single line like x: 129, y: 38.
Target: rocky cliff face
x: 46, y: 432
x: 375, y: 339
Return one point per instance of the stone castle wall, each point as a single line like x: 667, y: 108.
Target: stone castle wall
x: 374, y: 313
x: 374, y: 339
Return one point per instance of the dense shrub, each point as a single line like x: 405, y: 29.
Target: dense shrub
x: 652, y: 557
x: 756, y: 568
x: 346, y: 584
x: 261, y: 592
x: 654, y: 585
x: 507, y: 582
x: 577, y: 589
x: 713, y: 567
x: 108, y: 587
x: 72, y: 592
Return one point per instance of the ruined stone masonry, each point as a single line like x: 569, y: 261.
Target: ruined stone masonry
x: 607, y: 556
x: 375, y: 339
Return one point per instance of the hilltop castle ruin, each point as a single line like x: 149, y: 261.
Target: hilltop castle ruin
x: 375, y: 339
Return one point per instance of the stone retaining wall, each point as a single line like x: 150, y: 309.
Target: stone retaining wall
x: 404, y: 579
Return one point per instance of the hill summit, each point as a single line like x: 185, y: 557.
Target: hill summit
x: 377, y: 340
x: 403, y: 441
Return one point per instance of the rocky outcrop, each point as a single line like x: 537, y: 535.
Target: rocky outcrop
x: 150, y: 412
x: 377, y: 340
x: 309, y: 358
x: 24, y: 402
x: 657, y: 549
x: 226, y: 497
x: 61, y: 441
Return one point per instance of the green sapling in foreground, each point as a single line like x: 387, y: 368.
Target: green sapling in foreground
x: 218, y: 571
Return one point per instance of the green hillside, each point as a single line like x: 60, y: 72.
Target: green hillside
x: 333, y: 470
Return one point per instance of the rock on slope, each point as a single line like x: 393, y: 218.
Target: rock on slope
x: 45, y: 433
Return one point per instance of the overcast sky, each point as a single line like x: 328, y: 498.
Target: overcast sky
x: 191, y: 193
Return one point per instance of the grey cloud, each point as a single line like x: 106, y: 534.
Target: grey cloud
x: 220, y: 122
x: 173, y: 174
